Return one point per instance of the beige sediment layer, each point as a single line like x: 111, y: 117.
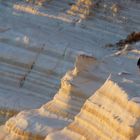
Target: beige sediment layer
x: 82, y: 8
x: 7, y: 112
x: 76, y: 86
x: 17, y: 133
x: 107, y: 115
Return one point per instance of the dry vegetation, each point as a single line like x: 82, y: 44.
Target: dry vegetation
x: 82, y: 8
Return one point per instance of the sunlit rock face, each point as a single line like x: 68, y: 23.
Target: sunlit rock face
x: 107, y: 115
x: 33, y: 61
x: 25, y: 60
x: 76, y: 86
x: 117, y: 110
x: 113, y: 112
x: 82, y: 8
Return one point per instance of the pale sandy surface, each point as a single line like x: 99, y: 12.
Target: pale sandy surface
x: 36, y: 51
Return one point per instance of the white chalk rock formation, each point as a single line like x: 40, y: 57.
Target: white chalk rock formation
x: 107, y: 115
x: 76, y: 86
x: 33, y: 61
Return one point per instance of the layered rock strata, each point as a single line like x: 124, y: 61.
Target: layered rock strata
x: 23, y: 70
x: 113, y: 112
x: 76, y: 86
x: 107, y: 115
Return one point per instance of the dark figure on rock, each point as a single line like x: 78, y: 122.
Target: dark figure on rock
x: 138, y: 63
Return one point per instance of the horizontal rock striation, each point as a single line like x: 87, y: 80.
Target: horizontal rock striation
x: 33, y: 60
x: 76, y: 86
x: 107, y: 115
x: 30, y: 74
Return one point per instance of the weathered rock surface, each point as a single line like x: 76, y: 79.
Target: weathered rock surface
x: 37, y: 49
x: 76, y: 86
x: 107, y: 115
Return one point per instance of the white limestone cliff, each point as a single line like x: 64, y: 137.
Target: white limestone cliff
x: 76, y: 86
x: 107, y: 115
x: 38, y: 45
